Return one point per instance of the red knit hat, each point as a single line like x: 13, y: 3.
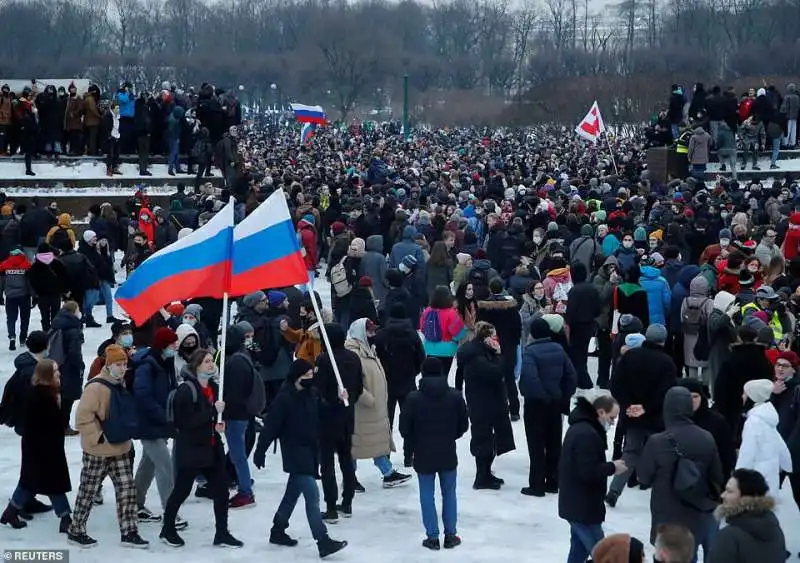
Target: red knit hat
x: 164, y: 337
x: 176, y: 309
x: 790, y: 357
x: 365, y: 281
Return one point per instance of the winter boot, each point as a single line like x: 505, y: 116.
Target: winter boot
x: 11, y: 518
x: 12, y: 344
x: 171, y: 538
x: 144, y: 173
x: 29, y: 173
x: 431, y: 543
x: 225, y: 539
x: 278, y: 536
x: 346, y: 510
x: 330, y: 516
x: 327, y: 546
x: 83, y: 540
x: 66, y: 522
x: 451, y: 541
x: 358, y: 487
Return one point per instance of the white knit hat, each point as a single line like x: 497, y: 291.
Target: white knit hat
x: 758, y: 390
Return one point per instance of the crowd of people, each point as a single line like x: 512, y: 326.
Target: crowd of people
x: 759, y: 119
x: 168, y: 122
x: 499, y: 259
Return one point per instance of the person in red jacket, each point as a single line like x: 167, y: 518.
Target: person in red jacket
x: 15, y: 286
x: 307, y: 234
x: 792, y: 241
x: 147, y: 224
x: 728, y: 279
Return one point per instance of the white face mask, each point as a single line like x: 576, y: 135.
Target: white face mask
x: 191, y: 321
x: 653, y: 244
x: 627, y: 243
x: 723, y: 242
x: 537, y: 239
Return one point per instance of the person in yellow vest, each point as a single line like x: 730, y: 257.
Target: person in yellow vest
x: 768, y: 301
x: 682, y: 144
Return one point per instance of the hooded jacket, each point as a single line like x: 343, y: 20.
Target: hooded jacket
x: 583, y: 470
x: 431, y: 421
x: 373, y: 264
x: 153, y: 381
x: 747, y: 362
x: 240, y: 374
x: 656, y: 467
x: 762, y: 447
x: 752, y: 533
x: 602, y: 281
x: 401, y: 353
x: 407, y: 247
x: 711, y: 420
x: 547, y: 374
x: 658, y: 294
x: 335, y: 419
x: 679, y: 291
x: 64, y: 223
x: 583, y: 300
x: 14, y: 277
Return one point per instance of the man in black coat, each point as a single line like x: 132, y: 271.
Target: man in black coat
x: 401, y: 353
x: 69, y: 358
x: 434, y: 418
x: 642, y: 377
x: 547, y: 381
x: 584, y: 471
x: 337, y: 421
x: 656, y: 468
x: 583, y: 305
x: 81, y: 277
x: 294, y: 419
x: 714, y: 422
x: 34, y: 225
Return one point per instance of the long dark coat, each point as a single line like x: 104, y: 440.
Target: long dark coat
x: 44, y: 469
x: 487, y: 404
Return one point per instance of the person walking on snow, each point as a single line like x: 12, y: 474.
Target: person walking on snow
x: 14, y: 283
x: 294, y: 418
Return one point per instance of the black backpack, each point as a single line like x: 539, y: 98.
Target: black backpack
x: 122, y: 420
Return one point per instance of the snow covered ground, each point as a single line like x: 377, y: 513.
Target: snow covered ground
x: 789, y: 165
x: 98, y: 192
x: 386, y: 524
x: 80, y: 170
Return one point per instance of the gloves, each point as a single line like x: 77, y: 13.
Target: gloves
x: 260, y: 457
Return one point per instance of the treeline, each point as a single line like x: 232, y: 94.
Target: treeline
x: 529, y: 59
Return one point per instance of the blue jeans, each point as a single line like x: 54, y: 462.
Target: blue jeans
x: 18, y: 308
x: 304, y: 485
x: 776, y: 149
x: 427, y: 502
x: 706, y: 536
x: 90, y: 299
x: 174, y: 162
x: 383, y: 464
x: 234, y: 432
x: 21, y: 497
x: 698, y: 171
x: 675, y: 132
x: 105, y: 291
x: 583, y: 538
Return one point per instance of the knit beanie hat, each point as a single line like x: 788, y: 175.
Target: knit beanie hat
x: 37, y: 342
x: 656, y: 333
x: 634, y: 340
x: 176, y: 309
x: 790, y: 357
x: 432, y: 367
x: 89, y: 235
x: 194, y: 310
x: 758, y: 390
x: 640, y: 234
x: 540, y: 328
x: 299, y: 367
x: 163, y: 338
x: 253, y: 299
x: 618, y: 548
x: 116, y: 354
x: 629, y: 323
x: 555, y: 322
x: 276, y: 298
x: 587, y: 231
x: 245, y: 327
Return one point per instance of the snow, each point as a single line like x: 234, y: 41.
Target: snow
x: 87, y: 192
x: 386, y: 524
x: 788, y: 165
x: 81, y: 170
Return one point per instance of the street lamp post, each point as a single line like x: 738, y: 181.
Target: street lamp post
x: 275, y: 115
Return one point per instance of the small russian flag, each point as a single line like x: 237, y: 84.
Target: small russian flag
x: 306, y: 132
x: 309, y: 114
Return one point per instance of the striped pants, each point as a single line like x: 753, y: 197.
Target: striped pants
x: 120, y: 470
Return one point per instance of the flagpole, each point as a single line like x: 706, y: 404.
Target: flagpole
x: 611, y: 152
x: 222, y: 350
x: 327, y: 342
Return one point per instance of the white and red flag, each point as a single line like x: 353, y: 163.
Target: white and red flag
x: 592, y: 125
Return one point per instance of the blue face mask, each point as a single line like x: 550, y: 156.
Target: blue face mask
x: 126, y: 340
x: 170, y: 353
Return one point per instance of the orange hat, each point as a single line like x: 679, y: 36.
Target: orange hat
x: 115, y: 354
x: 658, y: 234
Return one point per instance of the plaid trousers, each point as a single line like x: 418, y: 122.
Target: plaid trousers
x: 95, y: 469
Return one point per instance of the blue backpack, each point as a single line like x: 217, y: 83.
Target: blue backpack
x: 122, y: 420
x: 431, y: 329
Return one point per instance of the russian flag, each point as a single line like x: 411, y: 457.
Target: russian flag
x: 197, y: 265
x: 309, y: 114
x: 266, y: 253
x: 306, y: 132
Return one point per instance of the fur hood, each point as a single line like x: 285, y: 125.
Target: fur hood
x: 745, y: 505
x: 500, y: 304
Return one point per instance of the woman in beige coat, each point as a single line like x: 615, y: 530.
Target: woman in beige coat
x: 372, y: 437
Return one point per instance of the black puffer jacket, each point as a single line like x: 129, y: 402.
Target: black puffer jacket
x: 431, y: 421
x: 240, y: 375
x: 197, y: 444
x: 335, y: 419
x: 583, y: 471
x: 753, y: 533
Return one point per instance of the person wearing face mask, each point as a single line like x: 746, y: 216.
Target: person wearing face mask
x: 712, y: 421
x: 786, y: 400
x: 107, y: 454
x: 294, y: 420
x: 188, y: 342
x: 154, y: 379
x: 626, y: 254
x: 192, y: 316
x: 583, y: 473
x: 198, y: 448
x: 710, y: 253
x: 121, y: 335
x: 372, y: 435
x: 244, y: 397
x: 534, y: 304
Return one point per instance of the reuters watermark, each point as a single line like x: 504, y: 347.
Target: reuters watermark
x: 53, y: 555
